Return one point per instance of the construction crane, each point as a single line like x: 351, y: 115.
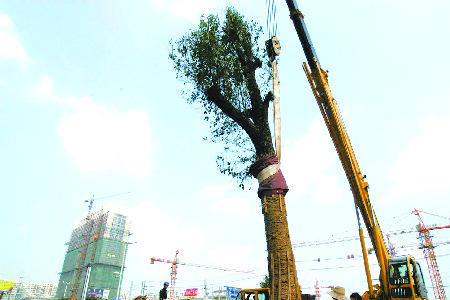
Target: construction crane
x: 173, y: 272
x: 430, y: 256
x: 317, y: 288
x: 175, y: 262
x: 400, y: 277
x: 87, y: 239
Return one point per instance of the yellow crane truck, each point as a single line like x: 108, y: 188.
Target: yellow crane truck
x: 400, y: 277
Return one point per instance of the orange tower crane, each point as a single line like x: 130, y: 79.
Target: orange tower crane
x: 173, y: 272
x: 317, y: 289
x: 430, y: 256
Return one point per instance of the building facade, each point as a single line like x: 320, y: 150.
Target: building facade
x: 31, y: 290
x: 95, y: 257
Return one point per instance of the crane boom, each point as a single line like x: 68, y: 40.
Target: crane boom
x: 175, y: 262
x: 153, y: 259
x: 318, y: 80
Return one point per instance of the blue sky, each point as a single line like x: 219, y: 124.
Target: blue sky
x: 89, y: 104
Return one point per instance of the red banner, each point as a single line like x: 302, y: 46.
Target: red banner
x: 191, y: 292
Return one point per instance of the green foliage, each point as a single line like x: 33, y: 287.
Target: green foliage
x: 218, y: 61
x: 265, y: 283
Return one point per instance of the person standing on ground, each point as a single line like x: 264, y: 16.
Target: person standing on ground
x: 355, y: 296
x: 163, y: 291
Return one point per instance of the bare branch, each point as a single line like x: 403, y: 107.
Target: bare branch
x: 214, y: 95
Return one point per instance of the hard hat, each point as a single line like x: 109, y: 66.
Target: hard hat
x: 166, y: 283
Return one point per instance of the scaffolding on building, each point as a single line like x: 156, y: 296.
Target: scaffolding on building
x: 97, y: 246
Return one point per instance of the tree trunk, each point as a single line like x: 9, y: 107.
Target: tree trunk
x: 281, y: 262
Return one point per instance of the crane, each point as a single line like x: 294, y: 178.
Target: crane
x: 317, y: 289
x: 430, y: 256
x: 175, y: 262
x: 173, y: 272
x: 400, y: 277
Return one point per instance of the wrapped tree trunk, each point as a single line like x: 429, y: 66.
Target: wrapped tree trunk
x: 281, y: 262
x: 222, y: 62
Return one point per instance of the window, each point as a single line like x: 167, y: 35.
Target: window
x: 398, y: 273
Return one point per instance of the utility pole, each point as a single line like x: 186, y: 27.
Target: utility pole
x: 131, y: 289
x: 206, y: 290
x: 143, y: 288
x: 122, y: 267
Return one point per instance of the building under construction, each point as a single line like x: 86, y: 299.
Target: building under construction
x: 94, y: 262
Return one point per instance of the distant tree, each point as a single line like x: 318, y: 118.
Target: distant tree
x: 265, y: 283
x: 221, y: 65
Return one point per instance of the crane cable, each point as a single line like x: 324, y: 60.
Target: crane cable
x: 273, y: 50
x: 271, y: 19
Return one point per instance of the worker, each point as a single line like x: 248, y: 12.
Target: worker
x: 163, y: 291
x: 355, y: 296
x: 338, y: 293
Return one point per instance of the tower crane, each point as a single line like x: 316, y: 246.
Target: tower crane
x: 175, y: 262
x: 317, y: 288
x: 430, y: 256
x: 400, y: 277
x: 173, y: 272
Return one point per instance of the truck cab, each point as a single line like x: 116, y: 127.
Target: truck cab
x: 254, y: 294
x: 406, y: 278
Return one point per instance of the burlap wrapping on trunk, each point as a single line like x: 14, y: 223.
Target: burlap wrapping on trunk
x: 275, y: 184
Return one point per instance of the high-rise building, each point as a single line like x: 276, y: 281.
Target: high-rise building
x: 95, y: 257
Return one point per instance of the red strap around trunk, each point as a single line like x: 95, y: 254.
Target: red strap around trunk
x: 275, y: 184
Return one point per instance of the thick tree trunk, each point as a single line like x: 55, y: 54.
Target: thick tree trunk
x: 281, y: 262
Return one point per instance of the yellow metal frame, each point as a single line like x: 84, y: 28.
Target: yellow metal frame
x: 318, y: 80
x: 254, y: 291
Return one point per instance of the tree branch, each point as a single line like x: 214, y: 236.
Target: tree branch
x: 214, y: 95
x: 253, y: 88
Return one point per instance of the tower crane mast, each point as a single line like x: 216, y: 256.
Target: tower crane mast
x: 430, y: 256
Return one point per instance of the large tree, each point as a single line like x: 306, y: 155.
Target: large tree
x: 223, y: 65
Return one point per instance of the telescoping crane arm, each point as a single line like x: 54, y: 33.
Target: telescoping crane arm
x: 318, y: 80
x: 408, y: 287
